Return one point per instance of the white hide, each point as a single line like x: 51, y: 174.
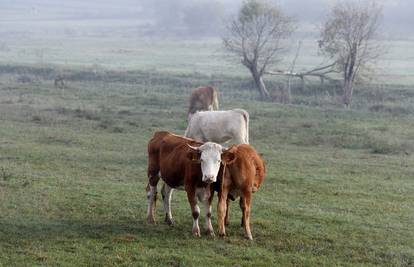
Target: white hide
x: 219, y: 126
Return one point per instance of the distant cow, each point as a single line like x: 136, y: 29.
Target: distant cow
x: 182, y: 162
x: 203, y: 98
x: 244, y: 172
x: 59, y: 82
x: 219, y: 126
x: 24, y: 79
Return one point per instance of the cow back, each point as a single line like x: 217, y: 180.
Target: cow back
x: 201, y: 98
x: 248, y: 167
x: 167, y: 154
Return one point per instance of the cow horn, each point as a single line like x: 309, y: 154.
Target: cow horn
x: 193, y: 147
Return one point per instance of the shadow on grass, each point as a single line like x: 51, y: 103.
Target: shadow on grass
x: 72, y: 229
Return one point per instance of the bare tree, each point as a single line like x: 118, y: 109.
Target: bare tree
x: 322, y: 72
x: 347, y: 37
x: 256, y: 37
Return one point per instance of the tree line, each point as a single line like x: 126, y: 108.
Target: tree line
x: 346, y: 39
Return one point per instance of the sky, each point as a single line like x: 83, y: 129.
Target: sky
x: 398, y: 14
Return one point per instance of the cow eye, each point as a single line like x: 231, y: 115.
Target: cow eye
x: 219, y: 161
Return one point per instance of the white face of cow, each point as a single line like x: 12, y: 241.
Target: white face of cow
x: 210, y: 160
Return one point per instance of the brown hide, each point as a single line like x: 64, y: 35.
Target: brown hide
x: 168, y: 154
x: 244, y: 173
x: 202, y: 98
x: 178, y: 164
x: 247, y: 168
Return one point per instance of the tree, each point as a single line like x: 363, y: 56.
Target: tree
x: 347, y: 37
x: 256, y: 37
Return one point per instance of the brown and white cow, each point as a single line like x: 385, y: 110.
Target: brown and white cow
x: 203, y: 98
x: 183, y: 162
x: 244, y: 172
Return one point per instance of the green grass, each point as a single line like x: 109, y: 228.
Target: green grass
x: 339, y: 188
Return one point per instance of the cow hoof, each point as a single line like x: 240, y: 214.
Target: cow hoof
x: 210, y: 232
x: 222, y: 234
x: 249, y: 237
x: 150, y: 220
x: 169, y: 221
x: 196, y: 232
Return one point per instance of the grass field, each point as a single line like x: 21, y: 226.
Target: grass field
x: 339, y: 189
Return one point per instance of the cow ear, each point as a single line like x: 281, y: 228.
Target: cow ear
x: 194, y: 156
x: 228, y: 157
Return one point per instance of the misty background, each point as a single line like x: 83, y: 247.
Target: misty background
x: 178, y: 18
x: 175, y: 36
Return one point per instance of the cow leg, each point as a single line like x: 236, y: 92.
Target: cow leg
x: 245, y: 203
x: 207, y: 205
x: 242, y: 207
x: 195, y: 211
x: 152, y: 198
x: 166, y: 194
x: 227, y: 218
x: 241, y: 203
x: 221, y: 210
x: 152, y: 195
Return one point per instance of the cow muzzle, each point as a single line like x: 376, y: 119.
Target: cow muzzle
x: 209, y: 179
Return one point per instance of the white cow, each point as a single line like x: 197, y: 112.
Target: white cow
x: 219, y: 126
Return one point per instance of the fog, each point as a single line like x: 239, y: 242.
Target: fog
x: 188, y: 18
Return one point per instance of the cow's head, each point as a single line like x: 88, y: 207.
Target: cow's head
x: 229, y: 155
x: 209, y: 155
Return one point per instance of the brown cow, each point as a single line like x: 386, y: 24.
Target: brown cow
x: 203, y: 98
x: 183, y: 162
x: 244, y: 172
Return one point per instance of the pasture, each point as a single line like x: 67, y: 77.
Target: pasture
x: 339, y: 188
